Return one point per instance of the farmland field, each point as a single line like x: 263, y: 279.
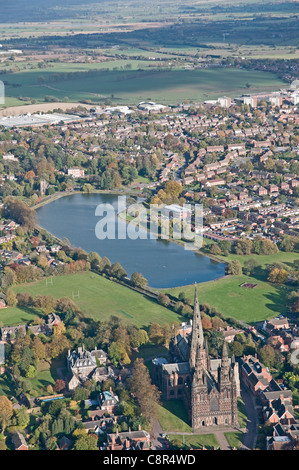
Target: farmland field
x: 131, y: 87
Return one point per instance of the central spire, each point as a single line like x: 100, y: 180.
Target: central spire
x: 197, y: 339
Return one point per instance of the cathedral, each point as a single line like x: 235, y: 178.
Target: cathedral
x: 208, y: 387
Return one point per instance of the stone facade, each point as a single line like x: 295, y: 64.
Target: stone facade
x: 84, y: 365
x: 208, y: 387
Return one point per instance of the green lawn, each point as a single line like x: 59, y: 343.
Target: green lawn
x: 250, y: 305
x: 173, y: 416
x: 281, y: 257
x: 45, y: 376
x: 208, y: 441
x: 242, y: 418
x: 234, y: 439
x: 98, y: 298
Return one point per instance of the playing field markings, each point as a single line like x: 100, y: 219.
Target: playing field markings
x: 49, y: 281
x: 76, y: 296
x: 127, y: 314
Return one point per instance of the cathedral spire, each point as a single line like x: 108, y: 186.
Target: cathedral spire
x: 225, y: 364
x: 197, y: 339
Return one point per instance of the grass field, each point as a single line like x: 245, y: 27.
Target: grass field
x: 208, y: 441
x: 173, y: 416
x: 131, y: 87
x: 234, y: 439
x: 262, y: 260
x: 250, y: 305
x: 99, y: 298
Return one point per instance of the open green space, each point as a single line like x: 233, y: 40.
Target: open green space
x: 132, y: 86
x: 46, y: 375
x: 208, y: 441
x: 234, y: 439
x: 287, y: 258
x: 265, y: 301
x: 242, y: 418
x: 173, y: 416
x: 229, y: 298
x: 97, y: 297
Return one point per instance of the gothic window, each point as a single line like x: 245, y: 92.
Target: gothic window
x: 180, y: 381
x: 214, y: 405
x: 203, y: 423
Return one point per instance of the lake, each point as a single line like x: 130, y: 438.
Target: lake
x: 163, y: 263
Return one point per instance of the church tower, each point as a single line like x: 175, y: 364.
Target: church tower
x: 213, y: 393
x: 198, y: 345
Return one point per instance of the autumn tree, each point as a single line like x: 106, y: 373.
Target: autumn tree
x: 141, y: 387
x: 6, y: 411
x: 11, y: 298
x: 278, y: 276
x: 138, y: 280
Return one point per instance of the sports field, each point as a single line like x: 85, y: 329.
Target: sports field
x: 250, y: 305
x: 265, y: 301
x: 97, y: 297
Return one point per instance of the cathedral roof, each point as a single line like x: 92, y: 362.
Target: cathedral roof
x: 179, y: 367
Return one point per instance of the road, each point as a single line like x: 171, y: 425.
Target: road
x: 249, y: 440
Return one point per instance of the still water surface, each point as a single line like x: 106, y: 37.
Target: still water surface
x: 164, y: 264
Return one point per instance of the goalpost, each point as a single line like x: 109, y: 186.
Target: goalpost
x: 49, y: 281
x: 76, y: 295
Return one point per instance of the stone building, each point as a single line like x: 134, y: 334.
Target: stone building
x: 84, y: 365
x: 208, y: 387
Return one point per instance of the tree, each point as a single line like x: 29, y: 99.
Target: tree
x: 244, y: 247
x: 6, y: 411
x: 147, y: 394
x: 235, y: 268
x: 156, y: 334
x: 278, y: 276
x: 215, y: 250
x: 138, y: 280
x: 42, y: 261
x: 206, y: 322
x: 59, y: 386
x: 94, y: 259
x: 118, y: 271
x: 21, y: 418
x: 46, y: 303
x: 11, y: 298
x: 20, y: 212
x: 87, y: 442
x: 237, y: 348
x: 58, y: 345
x: 163, y: 299
x: 249, y: 266
x: 39, y: 349
x: 118, y: 354
x: 138, y: 337
x: 267, y: 355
